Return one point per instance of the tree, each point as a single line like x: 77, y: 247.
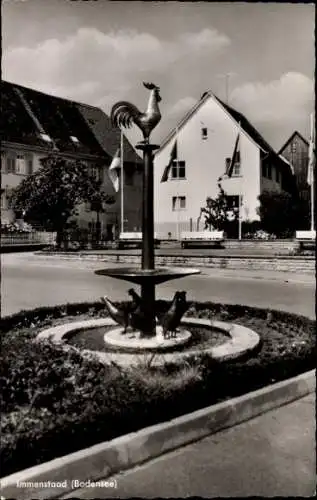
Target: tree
x: 282, y: 214
x: 218, y: 212
x: 51, y: 195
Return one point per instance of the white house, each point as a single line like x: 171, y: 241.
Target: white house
x: 206, y: 139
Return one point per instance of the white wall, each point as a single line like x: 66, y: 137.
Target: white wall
x: 205, y: 163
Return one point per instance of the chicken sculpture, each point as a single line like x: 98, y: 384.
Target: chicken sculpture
x: 123, y: 113
x: 172, y: 318
x: 136, y: 315
x: 119, y: 314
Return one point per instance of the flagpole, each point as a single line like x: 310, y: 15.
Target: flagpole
x: 178, y: 189
x: 240, y: 195
x: 122, y: 183
x: 312, y: 195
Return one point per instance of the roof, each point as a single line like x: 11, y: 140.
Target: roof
x: 294, y: 134
x: 238, y: 117
x: 73, y: 127
x: 107, y: 136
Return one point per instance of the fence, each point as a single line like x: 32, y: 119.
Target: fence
x: 28, y: 238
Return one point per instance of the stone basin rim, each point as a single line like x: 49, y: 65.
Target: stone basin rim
x: 159, y: 271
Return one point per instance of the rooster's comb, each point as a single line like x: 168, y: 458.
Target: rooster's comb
x: 150, y: 86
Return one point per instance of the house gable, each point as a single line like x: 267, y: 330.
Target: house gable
x: 295, y: 135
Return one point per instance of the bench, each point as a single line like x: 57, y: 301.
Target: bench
x: 133, y: 239
x: 200, y: 238
x: 306, y: 238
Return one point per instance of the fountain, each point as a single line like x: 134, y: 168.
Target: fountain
x: 137, y: 326
x: 124, y: 114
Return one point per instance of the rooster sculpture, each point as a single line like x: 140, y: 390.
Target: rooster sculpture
x: 172, y: 318
x: 123, y: 113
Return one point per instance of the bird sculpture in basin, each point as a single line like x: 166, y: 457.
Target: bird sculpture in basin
x: 119, y: 314
x: 136, y: 314
x: 170, y: 321
x: 136, y: 299
x: 123, y: 113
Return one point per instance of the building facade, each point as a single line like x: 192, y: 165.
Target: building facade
x: 296, y: 151
x: 206, y: 139
x: 35, y: 124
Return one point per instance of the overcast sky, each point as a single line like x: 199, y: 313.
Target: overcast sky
x: 99, y: 52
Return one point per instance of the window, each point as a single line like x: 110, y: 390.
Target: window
x: 269, y: 171
x: 204, y: 133
x: 277, y: 175
x: 178, y: 170
x: 294, y: 147
x: 178, y: 203
x: 3, y: 164
x: 11, y: 165
x: 3, y: 201
x: 20, y: 165
x: 30, y: 166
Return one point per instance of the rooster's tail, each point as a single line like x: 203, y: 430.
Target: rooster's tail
x: 123, y: 114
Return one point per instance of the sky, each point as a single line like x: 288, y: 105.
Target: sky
x: 99, y: 52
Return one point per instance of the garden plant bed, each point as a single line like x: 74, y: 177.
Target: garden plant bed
x: 54, y: 401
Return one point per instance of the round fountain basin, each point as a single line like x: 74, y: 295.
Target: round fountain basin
x: 134, y: 340
x: 144, y: 276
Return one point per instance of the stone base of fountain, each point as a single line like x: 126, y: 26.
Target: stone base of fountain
x: 133, y: 339
x: 239, y: 342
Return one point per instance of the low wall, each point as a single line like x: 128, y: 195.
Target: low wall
x: 251, y: 263
x: 276, y: 246
x: 295, y: 264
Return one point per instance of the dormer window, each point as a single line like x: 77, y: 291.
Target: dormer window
x: 74, y: 139
x: 204, y: 133
x: 46, y: 137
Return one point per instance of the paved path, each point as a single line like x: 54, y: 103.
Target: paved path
x: 270, y: 455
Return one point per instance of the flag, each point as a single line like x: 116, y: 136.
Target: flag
x: 113, y: 174
x: 311, y: 152
x: 170, y: 163
x: 229, y: 169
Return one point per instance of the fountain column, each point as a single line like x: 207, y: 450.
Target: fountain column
x: 148, y: 258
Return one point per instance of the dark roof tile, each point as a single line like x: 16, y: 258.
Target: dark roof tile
x: 25, y: 113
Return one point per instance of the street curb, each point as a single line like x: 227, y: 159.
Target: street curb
x: 106, y: 459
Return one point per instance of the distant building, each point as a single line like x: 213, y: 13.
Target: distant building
x: 206, y: 138
x: 35, y: 124
x: 295, y: 150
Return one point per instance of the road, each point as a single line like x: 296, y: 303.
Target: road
x: 29, y: 281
